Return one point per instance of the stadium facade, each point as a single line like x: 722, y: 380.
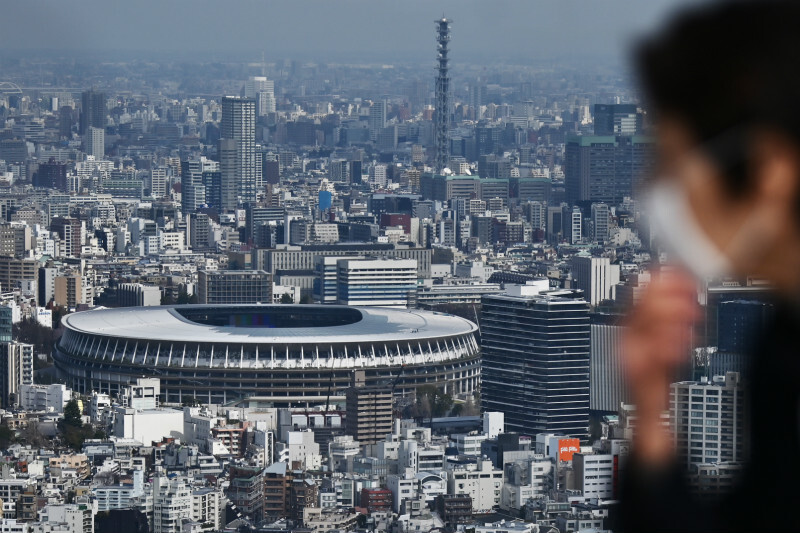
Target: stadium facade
x: 281, y: 355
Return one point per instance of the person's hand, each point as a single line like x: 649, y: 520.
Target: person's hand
x: 656, y: 343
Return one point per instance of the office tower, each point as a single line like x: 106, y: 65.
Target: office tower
x: 52, y: 175
x: 596, y: 277
x: 377, y: 176
x: 740, y: 322
x: 555, y: 223
x: 6, y: 323
x: 535, y: 360
x: 417, y: 154
x: 199, y: 232
x: 46, y: 285
x: 601, y: 222
x: 605, y: 168
x: 234, y: 287
x: 442, y: 111
x: 95, y: 142
x: 477, y: 99
x: 65, y: 122
x: 607, y: 387
x: 537, y: 215
x: 739, y: 326
x: 339, y: 171
x: 158, y: 182
x: 377, y: 118
x: 16, y: 366
x: 368, y: 411
x: 16, y: 239
x: 229, y: 173
x: 192, y: 188
x: 240, y: 163
x: 387, y: 138
x: 576, y: 225
x: 262, y: 90
x: 70, y: 233
x: 708, y: 420
x: 417, y: 95
x: 617, y: 119
x: 14, y: 272
x: 381, y: 282
x: 271, y: 168
x: 93, y: 110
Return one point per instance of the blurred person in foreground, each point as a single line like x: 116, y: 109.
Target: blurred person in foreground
x: 723, y: 83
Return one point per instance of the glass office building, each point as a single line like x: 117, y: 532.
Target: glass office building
x: 535, y: 360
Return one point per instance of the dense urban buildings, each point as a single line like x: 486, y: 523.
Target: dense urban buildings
x: 258, y: 295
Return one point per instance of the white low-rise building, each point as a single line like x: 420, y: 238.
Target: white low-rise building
x: 147, y: 425
x: 51, y: 398
x: 482, y: 484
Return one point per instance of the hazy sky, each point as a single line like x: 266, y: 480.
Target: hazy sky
x: 333, y: 29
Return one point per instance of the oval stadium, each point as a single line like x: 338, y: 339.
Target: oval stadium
x: 281, y: 355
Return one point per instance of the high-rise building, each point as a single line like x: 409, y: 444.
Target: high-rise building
x: 13, y: 272
x: 740, y: 322
x: 158, y: 182
x: 6, y: 323
x: 65, y: 122
x: 246, y: 491
x: 93, y: 110
x: 234, y: 287
x: 95, y: 142
x: 607, y: 387
x: 52, y: 175
x: 596, y: 277
x: 605, y: 168
x: 369, y: 411
x: 535, y: 360
x: 601, y: 222
x: 576, y: 225
x: 556, y: 225
x: 16, y: 239
x: 69, y: 291
x: 381, y: 282
x: 262, y: 90
x: 240, y: 163
x: 172, y: 501
x: 199, y: 232
x: 70, y: 231
x: 442, y: 111
x: 617, y: 119
x: 377, y: 118
x: 708, y: 420
x: 16, y: 369
x: 192, y: 188
x: 477, y: 99
x: 537, y: 215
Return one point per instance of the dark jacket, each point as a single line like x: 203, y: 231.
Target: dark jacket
x: 765, y: 496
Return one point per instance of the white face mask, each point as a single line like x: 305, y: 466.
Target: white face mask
x: 675, y: 226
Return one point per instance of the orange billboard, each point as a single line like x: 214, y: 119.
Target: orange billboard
x: 567, y: 447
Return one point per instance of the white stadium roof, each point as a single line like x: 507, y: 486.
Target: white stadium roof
x: 165, y: 323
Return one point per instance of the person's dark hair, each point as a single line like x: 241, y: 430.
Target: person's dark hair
x: 725, y: 68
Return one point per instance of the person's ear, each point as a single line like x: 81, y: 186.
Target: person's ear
x: 775, y: 167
